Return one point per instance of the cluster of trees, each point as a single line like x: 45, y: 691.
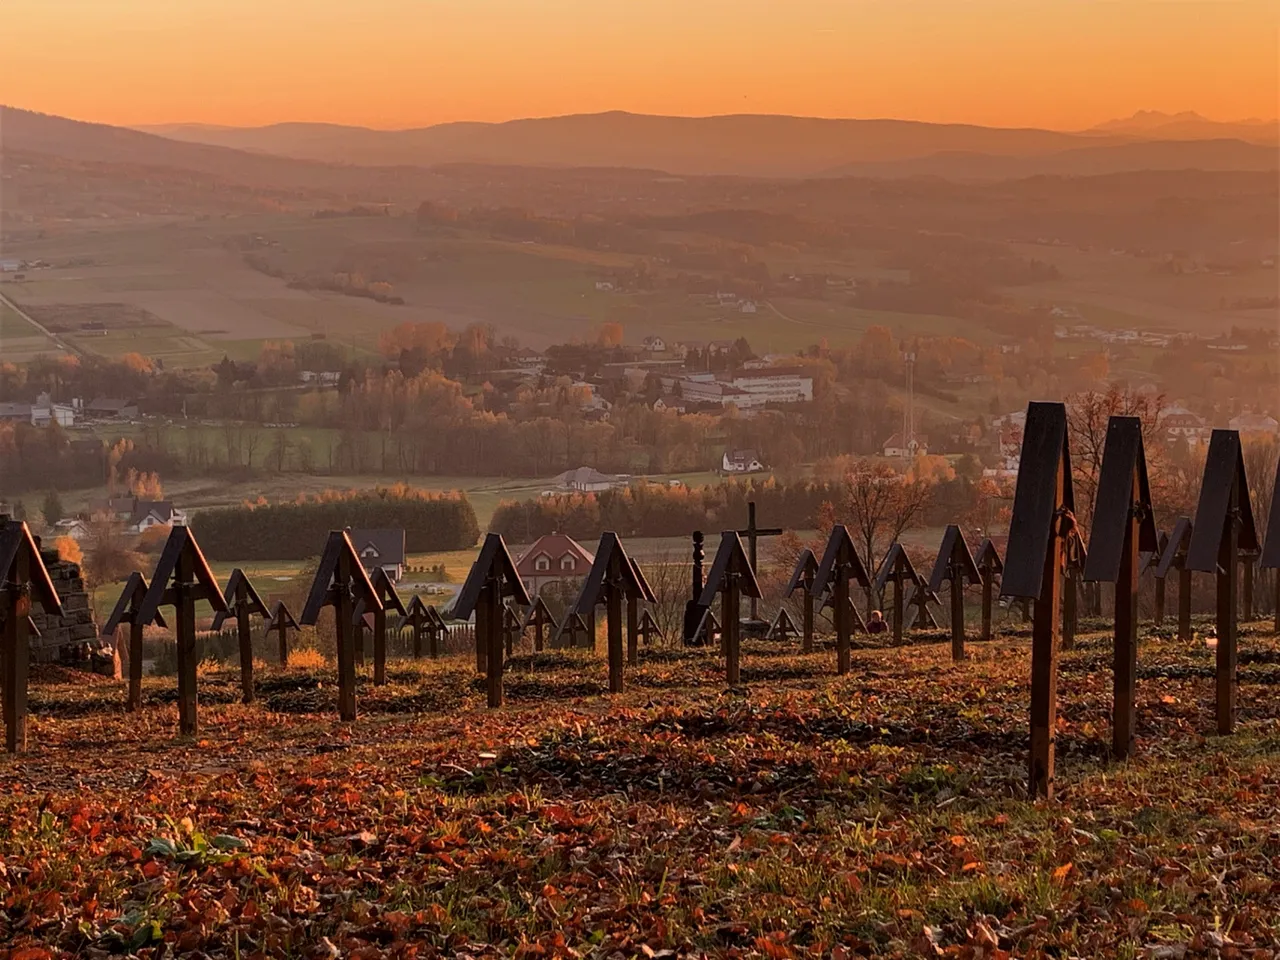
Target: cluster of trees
x: 296, y: 530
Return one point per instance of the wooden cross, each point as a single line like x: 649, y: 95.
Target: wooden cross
x: 492, y: 577
x: 612, y: 579
x: 990, y: 566
x: 1270, y: 559
x: 126, y: 611
x: 182, y: 577
x: 572, y: 627
x: 753, y: 534
x: 897, y: 569
x: 1174, y: 557
x: 633, y: 606
x: 1224, y: 526
x: 648, y: 627
x: 731, y: 576
x: 341, y: 582
x: 281, y: 622
x: 802, y: 578
x: 539, y: 617
x: 385, y: 588
x: 423, y: 619
x: 1123, y: 526
x: 783, y: 627
x: 840, y: 564
x: 23, y: 580
x: 243, y: 603
x: 1043, y: 520
x: 955, y: 567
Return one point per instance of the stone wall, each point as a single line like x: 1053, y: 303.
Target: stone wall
x: 73, y: 638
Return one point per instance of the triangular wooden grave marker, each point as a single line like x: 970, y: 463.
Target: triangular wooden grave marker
x: 385, y: 588
x: 733, y: 577
x: 955, y: 566
x: 856, y: 622
x: 492, y: 577
x: 1123, y: 527
x: 540, y: 618
x: 990, y: 567
x: 783, y: 627
x: 1150, y: 563
x: 1223, y: 527
x: 802, y: 578
x: 243, y: 603
x: 611, y: 580
x: 897, y: 569
x: 341, y: 583
x: 126, y: 611
x: 512, y: 627
x: 649, y: 628
x: 920, y: 615
x: 572, y: 632
x: 182, y: 577
x: 1043, y: 521
x: 841, y: 564
x: 280, y: 621
x: 23, y: 581
x: 1174, y: 557
x: 424, y: 620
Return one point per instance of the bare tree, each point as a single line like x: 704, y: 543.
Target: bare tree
x: 1088, y: 415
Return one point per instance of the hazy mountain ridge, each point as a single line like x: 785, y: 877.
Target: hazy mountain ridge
x: 1189, y: 125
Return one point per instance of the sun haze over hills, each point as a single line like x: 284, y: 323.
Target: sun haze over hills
x: 1056, y: 64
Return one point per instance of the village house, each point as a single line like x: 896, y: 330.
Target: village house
x: 153, y: 513
x: 111, y: 408
x: 72, y: 527
x: 588, y: 480
x: 380, y: 548
x: 899, y: 448
x: 742, y: 461
x: 1257, y: 423
x: 654, y: 344
x: 551, y: 558
x: 1181, y: 425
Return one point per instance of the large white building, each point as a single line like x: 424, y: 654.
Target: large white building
x: 744, y: 389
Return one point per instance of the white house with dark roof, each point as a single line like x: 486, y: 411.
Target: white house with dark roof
x: 380, y: 548
x: 154, y: 513
x: 589, y: 480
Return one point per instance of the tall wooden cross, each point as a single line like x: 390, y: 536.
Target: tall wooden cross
x: 126, y: 611
x: 841, y: 564
x: 897, y: 569
x: 732, y: 575
x: 613, y: 578
x: 1223, y: 527
x: 753, y: 533
x: 23, y: 578
x: 492, y: 577
x: 280, y: 623
x: 1123, y: 526
x: 1042, y: 523
x: 183, y: 577
x: 243, y: 603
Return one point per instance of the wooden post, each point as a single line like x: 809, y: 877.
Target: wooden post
x: 1125, y: 649
x: 807, y: 642
x: 1228, y: 569
x: 185, y: 630
x: 730, y: 626
x: 988, y: 591
x: 493, y: 602
x: 134, y: 702
x: 417, y: 638
x: 1069, y: 611
x: 613, y: 627
x: 17, y: 652
x: 1246, y: 589
x: 840, y: 614
x: 537, y: 635
x: 245, y: 638
x: 1160, y: 600
x: 1044, y: 664
x: 482, y: 642
x: 379, y: 647
x: 957, y: 615
x: 348, y: 640
x: 633, y: 628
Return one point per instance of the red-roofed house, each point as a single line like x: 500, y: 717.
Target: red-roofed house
x: 553, y: 557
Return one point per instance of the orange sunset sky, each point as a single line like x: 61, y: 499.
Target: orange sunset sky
x: 1064, y: 64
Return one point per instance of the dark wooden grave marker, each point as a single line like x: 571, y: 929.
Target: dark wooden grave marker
x: 182, y: 577
x: 1150, y: 563
x: 1270, y: 559
x: 919, y: 596
x: 539, y: 617
x: 731, y: 576
x: 856, y: 623
x: 753, y: 533
x: 1224, y: 526
x: 423, y: 620
x: 1043, y: 520
x: 990, y: 566
x: 512, y: 627
x: 126, y: 611
x: 897, y: 569
x: 955, y: 566
x: 841, y: 564
x: 783, y: 627
x: 694, y: 612
x: 243, y: 604
x: 802, y: 578
x: 1123, y: 527
x: 648, y: 628
x: 492, y: 577
x: 23, y: 581
x: 633, y: 612
x: 280, y: 621
x: 342, y: 583
x: 611, y: 581
x: 385, y: 588
x: 1174, y: 557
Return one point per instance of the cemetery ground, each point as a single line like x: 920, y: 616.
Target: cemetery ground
x: 883, y: 813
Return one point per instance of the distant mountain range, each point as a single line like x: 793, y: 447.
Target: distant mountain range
x: 744, y: 145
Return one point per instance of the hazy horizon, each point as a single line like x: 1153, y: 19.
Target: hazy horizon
x: 1051, y: 64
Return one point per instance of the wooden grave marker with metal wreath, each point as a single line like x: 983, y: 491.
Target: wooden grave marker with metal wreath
x: 648, y: 628
x: 802, y: 578
x: 990, y: 566
x: 752, y: 535
x: 733, y: 577
x: 243, y: 604
x: 493, y: 578
x: 280, y: 621
x: 24, y: 580
x: 840, y: 565
x: 1149, y: 562
x: 540, y: 618
x: 783, y: 626
x: 1123, y: 527
x: 423, y: 621
x: 1174, y: 557
x: 342, y: 583
x: 611, y: 581
x: 1224, y: 526
x: 897, y: 569
x: 182, y: 578
x: 1270, y: 559
x: 955, y: 567
x: 126, y: 611
x: 633, y: 612
x: 1042, y: 523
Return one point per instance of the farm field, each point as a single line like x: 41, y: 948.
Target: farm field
x: 883, y: 813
